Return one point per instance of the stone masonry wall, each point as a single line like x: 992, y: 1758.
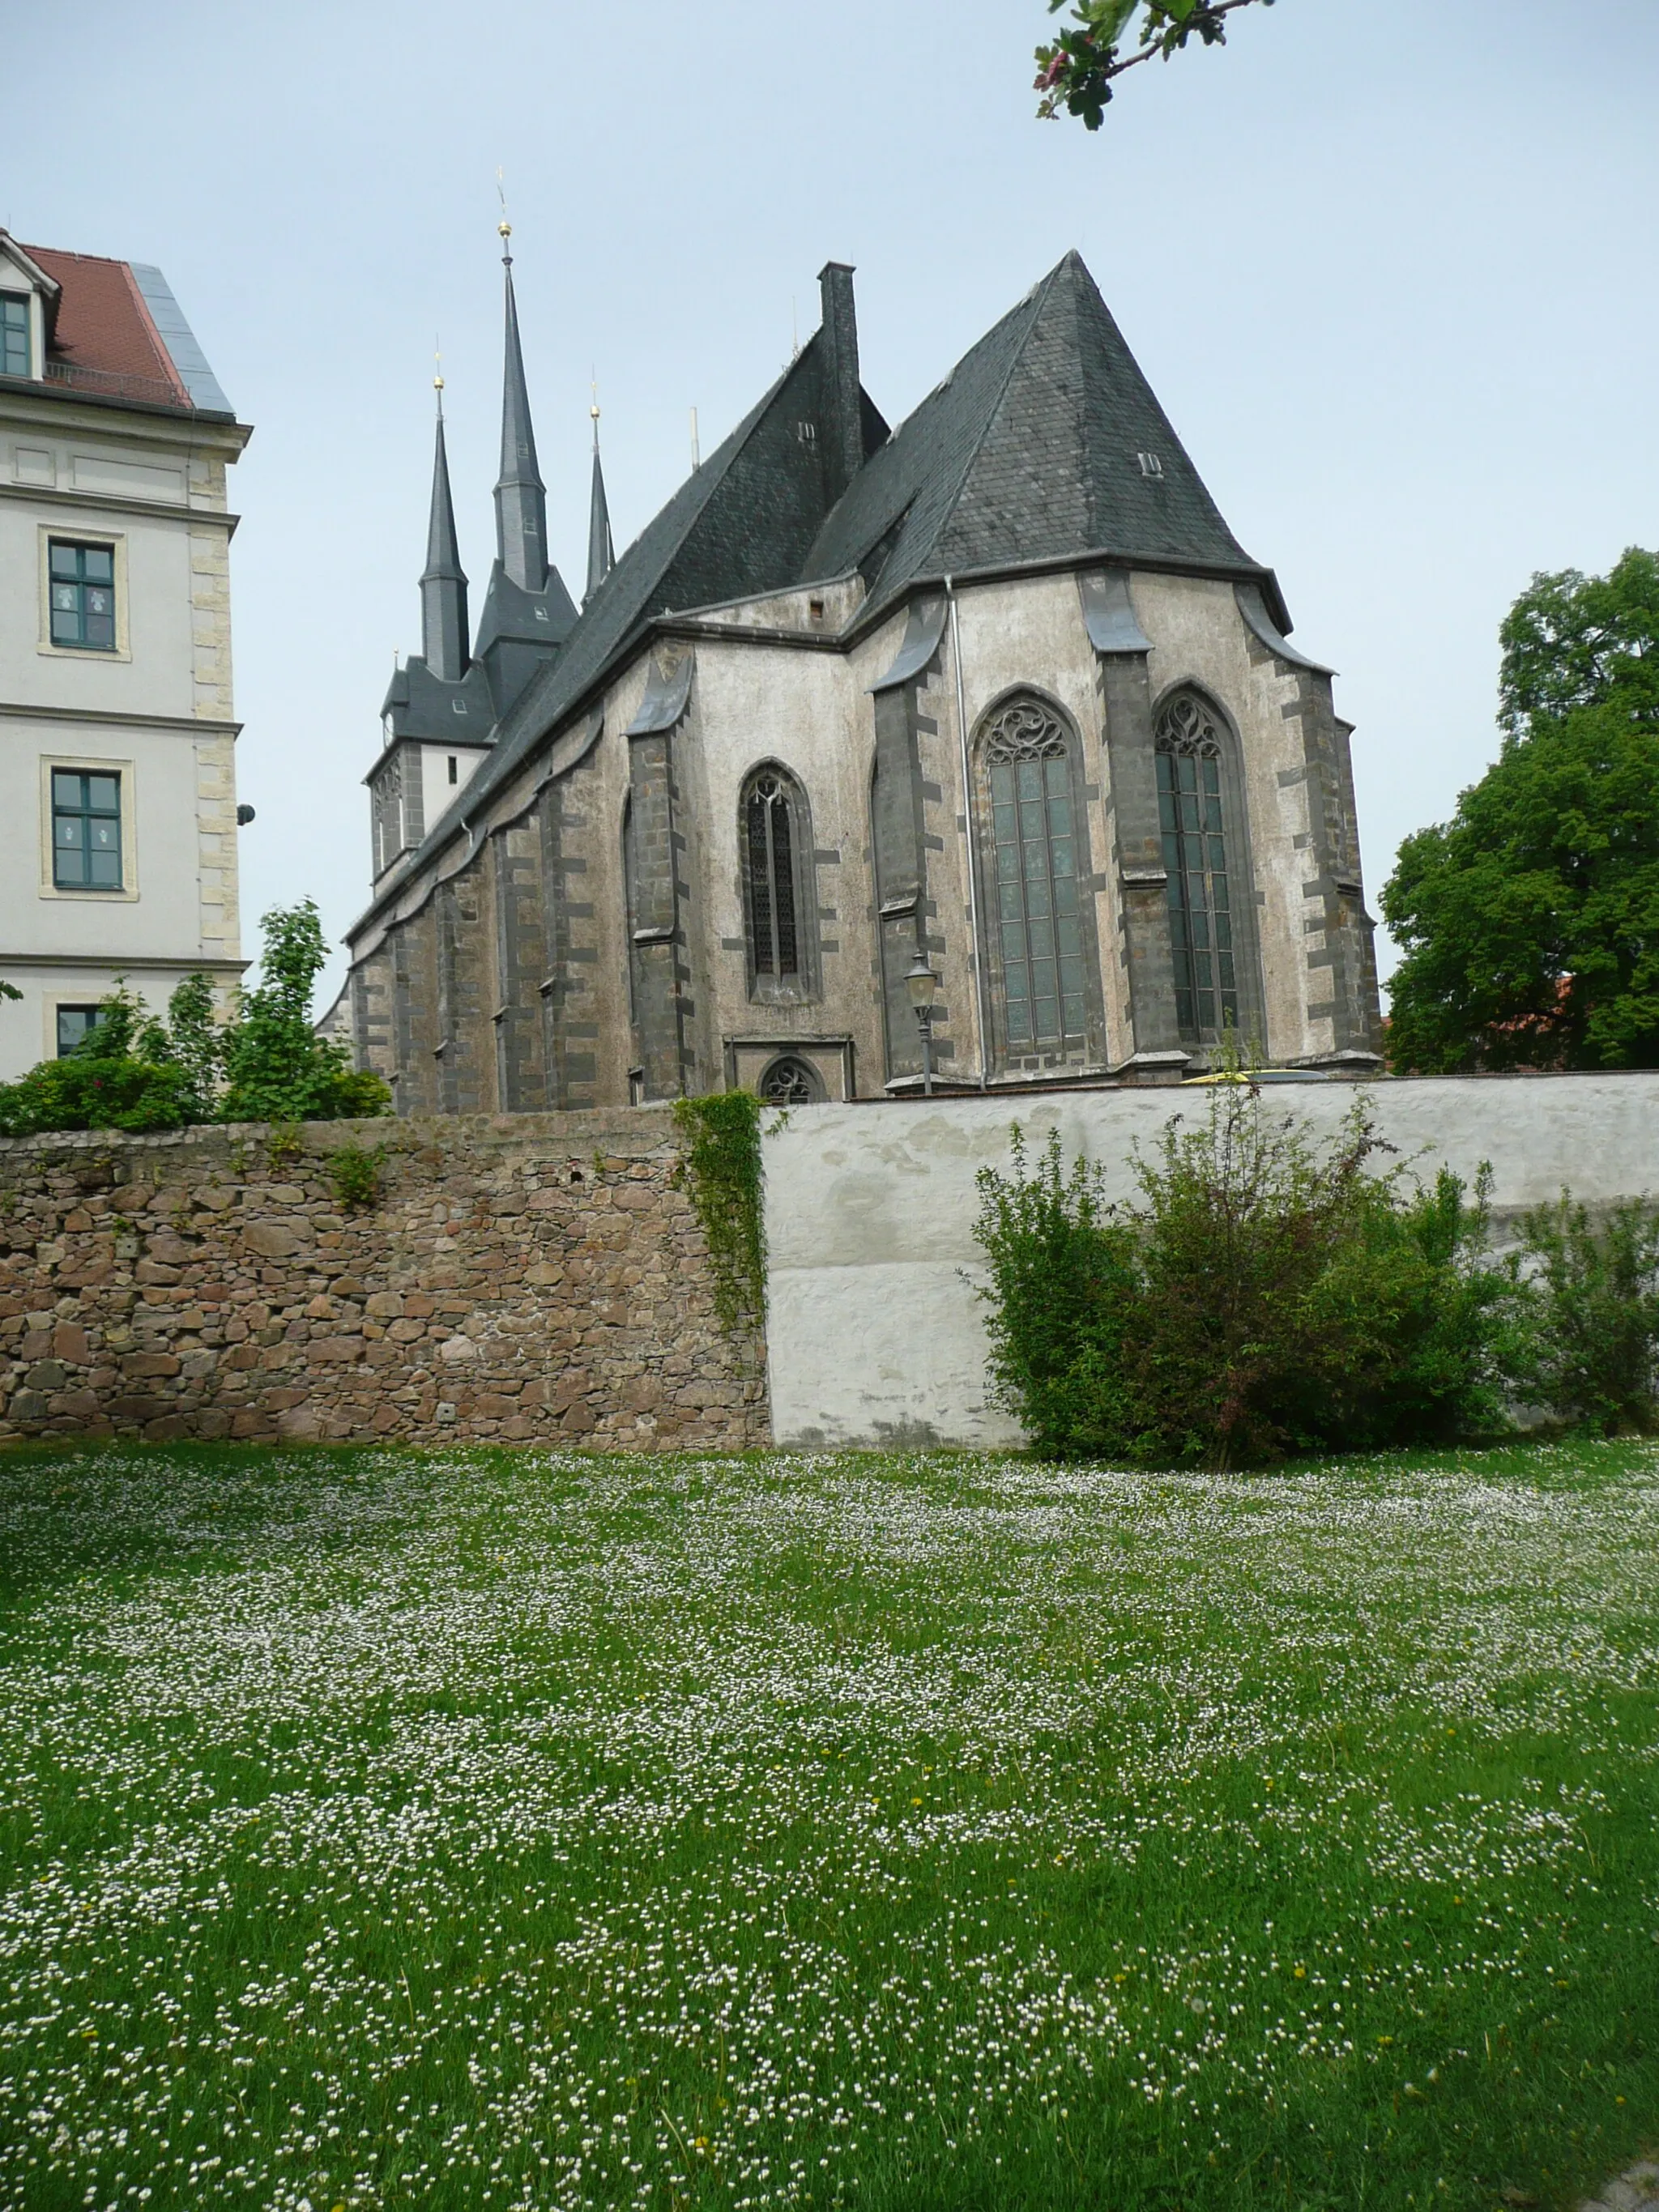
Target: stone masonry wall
x: 523, y: 1278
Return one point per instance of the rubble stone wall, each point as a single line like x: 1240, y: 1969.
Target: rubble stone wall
x: 522, y: 1279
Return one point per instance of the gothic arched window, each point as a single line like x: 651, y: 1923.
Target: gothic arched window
x: 791, y: 1081
x: 775, y: 841
x: 1039, y: 970
x: 1203, y: 918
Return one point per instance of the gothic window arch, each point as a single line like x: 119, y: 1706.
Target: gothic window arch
x: 789, y: 1080
x: 1044, y: 974
x: 1212, y: 925
x: 774, y: 846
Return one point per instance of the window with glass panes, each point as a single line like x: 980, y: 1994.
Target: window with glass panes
x: 75, y: 1025
x: 86, y: 830
x: 15, y: 335
x: 82, y: 587
x: 1028, y: 766
x: 769, y: 843
x: 1191, y: 817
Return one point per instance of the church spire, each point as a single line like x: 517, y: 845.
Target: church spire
x: 601, y: 554
x: 443, y: 582
x: 521, y: 496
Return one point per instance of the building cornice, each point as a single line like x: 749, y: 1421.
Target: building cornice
x: 91, y: 411
x: 126, y: 963
x: 194, y: 726
x: 122, y: 503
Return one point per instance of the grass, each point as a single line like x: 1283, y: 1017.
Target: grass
x: 483, y: 1829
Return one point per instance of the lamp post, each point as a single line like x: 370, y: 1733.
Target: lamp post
x: 923, y: 985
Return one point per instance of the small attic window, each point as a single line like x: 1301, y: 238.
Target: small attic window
x: 454, y: 771
x: 457, y: 706
x: 1150, y: 465
x: 15, y: 354
x: 815, y: 610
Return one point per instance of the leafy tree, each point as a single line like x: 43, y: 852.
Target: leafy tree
x: 1529, y: 922
x: 277, y: 1067
x: 1076, y: 70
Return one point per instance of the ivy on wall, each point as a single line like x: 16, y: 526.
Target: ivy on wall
x: 720, y: 1172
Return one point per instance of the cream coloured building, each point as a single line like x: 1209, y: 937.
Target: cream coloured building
x: 995, y: 697
x: 117, y: 780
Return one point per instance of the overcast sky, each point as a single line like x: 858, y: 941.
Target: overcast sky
x: 1389, y: 265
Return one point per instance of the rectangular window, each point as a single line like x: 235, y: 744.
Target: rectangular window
x: 86, y: 830
x: 15, y: 359
x: 82, y: 584
x: 75, y: 1023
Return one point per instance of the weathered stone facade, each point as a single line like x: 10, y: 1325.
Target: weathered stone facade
x: 854, y: 616
x: 535, y: 1278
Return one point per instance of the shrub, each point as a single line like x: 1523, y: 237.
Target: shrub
x: 125, y: 1074
x: 133, y: 1072
x: 1264, y: 1296
x: 356, y: 1171
x: 1587, y: 1348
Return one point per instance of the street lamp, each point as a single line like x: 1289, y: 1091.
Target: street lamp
x: 923, y: 985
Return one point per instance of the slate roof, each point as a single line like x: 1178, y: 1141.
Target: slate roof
x: 743, y: 521
x: 1029, y: 450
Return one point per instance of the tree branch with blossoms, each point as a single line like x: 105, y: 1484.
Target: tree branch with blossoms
x: 1075, y: 71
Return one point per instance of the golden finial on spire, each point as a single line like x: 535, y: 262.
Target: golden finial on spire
x: 504, y: 228
x: 438, y: 378
x: 594, y: 411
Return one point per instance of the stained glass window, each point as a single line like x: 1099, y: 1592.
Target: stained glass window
x: 1191, y: 818
x: 1027, y: 764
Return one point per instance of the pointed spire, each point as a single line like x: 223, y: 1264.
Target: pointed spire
x: 601, y: 554
x: 521, y: 496
x: 443, y: 582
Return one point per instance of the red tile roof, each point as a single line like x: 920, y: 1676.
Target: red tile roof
x: 103, y: 333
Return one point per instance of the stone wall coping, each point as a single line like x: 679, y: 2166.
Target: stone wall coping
x: 634, y: 1129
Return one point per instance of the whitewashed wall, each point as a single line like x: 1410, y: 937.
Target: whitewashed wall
x: 875, y: 1334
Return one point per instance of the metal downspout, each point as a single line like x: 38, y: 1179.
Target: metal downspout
x: 981, y: 1022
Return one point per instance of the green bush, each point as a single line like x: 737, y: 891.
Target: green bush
x: 135, y: 1072
x: 1264, y: 1296
x: 1587, y: 1348
x: 124, y: 1074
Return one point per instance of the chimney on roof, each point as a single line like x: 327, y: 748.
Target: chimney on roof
x: 841, y: 407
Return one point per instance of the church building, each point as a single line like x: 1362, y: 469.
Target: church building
x: 995, y: 697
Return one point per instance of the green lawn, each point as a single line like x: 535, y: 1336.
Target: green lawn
x: 483, y: 1829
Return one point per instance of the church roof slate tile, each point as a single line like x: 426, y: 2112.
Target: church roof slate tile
x: 1029, y: 450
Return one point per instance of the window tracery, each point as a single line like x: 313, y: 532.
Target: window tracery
x: 1026, y: 763
x: 776, y: 843
x: 791, y: 1081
